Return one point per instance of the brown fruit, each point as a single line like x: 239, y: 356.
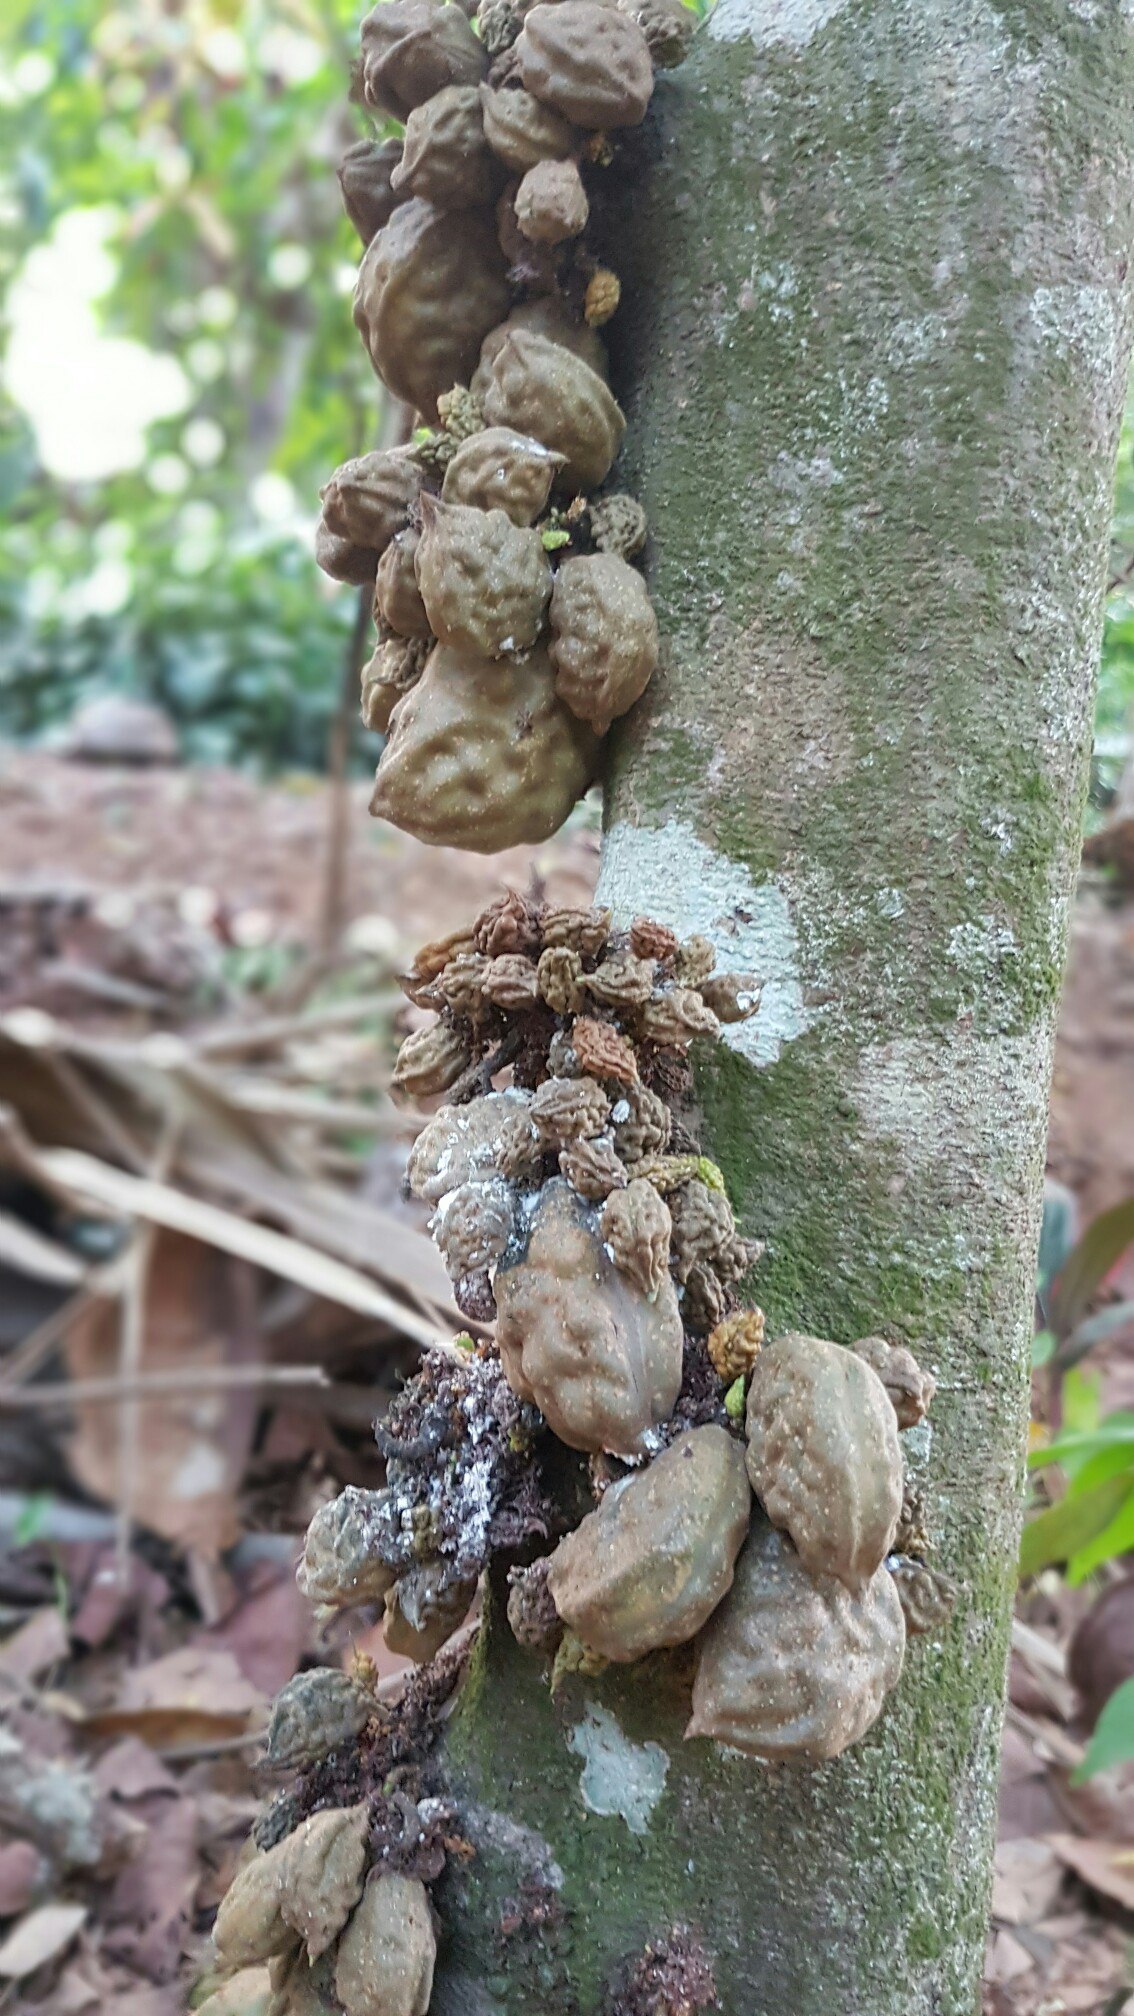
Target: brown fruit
x: 447, y: 158
x: 485, y: 582
x: 430, y: 288
x: 521, y: 131
x: 540, y: 388
x: 551, y: 203
x: 397, y: 597
x: 824, y: 1455
x: 791, y: 1667
x: 343, y: 560
x: 911, y: 1390
x: 668, y: 26
x: 387, y: 1953
x: 650, y: 1566
x: 369, y: 499
x: 386, y: 678
x: 414, y: 48
x: 365, y: 173
x: 429, y: 1061
x: 250, y: 1926
x: 499, y: 469
x: 547, y: 317
x: 576, y: 1337
x: 588, y: 62
x: 322, y: 1876
x: 482, y: 754
x: 635, y: 1227
x: 341, y: 1563
x: 470, y: 1144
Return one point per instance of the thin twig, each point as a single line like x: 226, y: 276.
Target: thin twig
x: 190, y: 1379
x: 39, y: 1344
x: 237, y: 1040
x: 132, y: 1337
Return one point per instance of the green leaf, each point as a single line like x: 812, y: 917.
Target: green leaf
x: 1082, y: 1401
x: 1063, y: 1529
x: 1113, y: 1740
x: 1100, y: 1248
x: 1115, y: 1540
x: 1117, y: 1431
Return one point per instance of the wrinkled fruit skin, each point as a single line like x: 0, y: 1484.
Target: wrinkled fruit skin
x: 604, y: 638
x: 365, y: 173
x: 250, y: 1927
x: 430, y: 288
x: 576, y: 1337
x: 323, y: 1872
x: 412, y: 49
x: 466, y: 1144
x: 545, y: 317
x: 500, y: 470
x: 447, y: 159
x: 588, y: 62
x: 387, y: 1954
x: 368, y: 500
x: 521, y: 131
x: 792, y: 1667
x: 484, y: 581
x: 650, y: 1566
x: 824, y: 1456
x: 483, y: 754
x: 551, y: 203
x: 397, y: 597
x: 538, y: 387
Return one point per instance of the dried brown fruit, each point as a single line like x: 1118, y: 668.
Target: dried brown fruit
x: 319, y: 1711
x: 600, y: 302
x: 387, y: 1953
x: 343, y: 560
x: 424, y: 1608
x: 508, y: 924
x: 586, y: 931
x: 588, y: 62
x: 704, y: 1228
x: 472, y: 1226
x: 432, y: 959
x: 368, y: 500
x: 651, y: 940
x: 535, y: 1621
x: 734, y: 1344
x: 668, y: 1173
x: 791, y: 1667
x: 602, y: 1051
x: 704, y: 1303
x: 674, y: 1017
x: 644, y: 1129
x: 364, y: 178
x: 732, y: 997
x: 927, y: 1596
x: 551, y: 203
x: 567, y: 1109
x: 668, y: 27
x: 300, y: 1988
x: 250, y: 1927
x: 447, y: 159
x: 696, y: 958
x: 636, y: 1227
x: 558, y: 977
x: 386, y: 678
x: 530, y: 266
x: 414, y: 48
x: 550, y: 317
x: 460, y: 984
x: 577, y: 1339
x: 397, y: 597
x: 341, y: 1564
x: 430, y: 287
x: 510, y: 983
x: 492, y: 1135
x: 540, y: 388
x: 650, y: 1566
x: 824, y: 1456
x: 621, y: 981
x: 911, y: 1390
x: 499, y: 23
x: 430, y: 1060
x: 322, y: 1876
x: 592, y: 1167
x: 483, y: 754
x: 498, y: 469
x: 485, y: 582
x: 604, y: 636
x: 521, y: 131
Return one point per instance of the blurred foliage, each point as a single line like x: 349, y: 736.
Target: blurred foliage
x: 213, y: 128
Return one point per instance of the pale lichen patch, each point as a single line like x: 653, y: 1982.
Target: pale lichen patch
x: 767, y: 22
x: 619, y: 1779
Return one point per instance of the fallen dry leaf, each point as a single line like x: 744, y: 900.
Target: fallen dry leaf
x: 268, y: 1626
x: 1027, y: 1876
x: 194, y: 1695
x: 129, y: 1770
x: 23, y: 1872
x: 1105, y: 1866
x: 35, y: 1647
x: 150, y: 1903
x: 41, y: 1936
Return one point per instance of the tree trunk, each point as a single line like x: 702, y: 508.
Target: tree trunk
x: 873, y: 354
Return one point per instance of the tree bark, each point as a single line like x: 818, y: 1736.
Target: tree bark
x: 873, y: 350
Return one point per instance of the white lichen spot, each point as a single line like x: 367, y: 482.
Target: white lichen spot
x: 768, y: 22
x: 1081, y: 318
x: 620, y: 1779
x: 890, y: 903
x: 666, y: 871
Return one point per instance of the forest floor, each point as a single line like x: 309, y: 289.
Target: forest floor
x: 175, y: 1401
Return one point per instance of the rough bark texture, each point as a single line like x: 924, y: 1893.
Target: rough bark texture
x: 875, y: 261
